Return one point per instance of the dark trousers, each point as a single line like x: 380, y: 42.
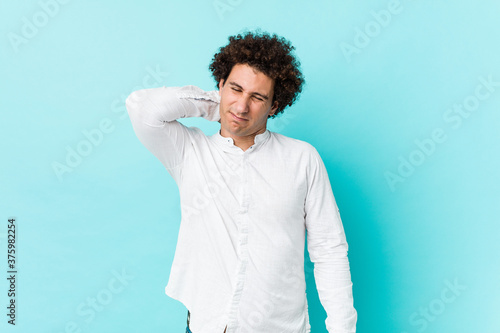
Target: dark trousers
x: 187, y: 328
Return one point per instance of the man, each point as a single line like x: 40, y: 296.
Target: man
x: 247, y: 195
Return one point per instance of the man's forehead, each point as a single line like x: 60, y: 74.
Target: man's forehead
x: 245, y: 74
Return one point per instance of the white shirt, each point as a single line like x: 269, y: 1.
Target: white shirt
x: 239, y: 259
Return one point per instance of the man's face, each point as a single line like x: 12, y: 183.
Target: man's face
x: 246, y: 102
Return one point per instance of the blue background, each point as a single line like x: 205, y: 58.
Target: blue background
x: 421, y: 223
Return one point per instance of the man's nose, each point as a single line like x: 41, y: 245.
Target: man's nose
x: 242, y: 104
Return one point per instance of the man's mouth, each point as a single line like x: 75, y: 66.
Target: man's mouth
x: 237, y: 118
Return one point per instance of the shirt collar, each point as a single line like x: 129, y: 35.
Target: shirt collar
x: 228, y: 143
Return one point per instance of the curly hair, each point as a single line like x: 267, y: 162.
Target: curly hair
x: 269, y: 54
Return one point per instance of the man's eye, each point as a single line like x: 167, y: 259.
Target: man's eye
x: 258, y: 98
x: 236, y: 89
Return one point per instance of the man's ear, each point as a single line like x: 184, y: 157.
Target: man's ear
x: 221, y: 84
x: 274, y: 108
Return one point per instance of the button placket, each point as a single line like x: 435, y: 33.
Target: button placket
x: 242, y: 242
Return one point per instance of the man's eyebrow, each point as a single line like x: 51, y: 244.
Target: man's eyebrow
x: 232, y: 83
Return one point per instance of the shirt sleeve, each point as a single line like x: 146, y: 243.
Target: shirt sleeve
x: 153, y: 113
x: 327, y: 248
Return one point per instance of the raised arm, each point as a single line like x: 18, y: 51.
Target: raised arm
x: 327, y: 248
x: 153, y: 113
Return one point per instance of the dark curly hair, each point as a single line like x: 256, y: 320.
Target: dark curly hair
x: 269, y: 54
